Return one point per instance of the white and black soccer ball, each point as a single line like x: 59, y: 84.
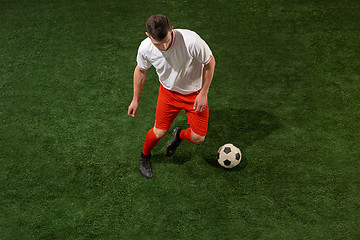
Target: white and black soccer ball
x: 229, y: 156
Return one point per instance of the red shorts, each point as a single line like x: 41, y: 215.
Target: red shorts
x: 169, y: 105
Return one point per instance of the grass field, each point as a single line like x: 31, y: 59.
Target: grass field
x: 285, y: 91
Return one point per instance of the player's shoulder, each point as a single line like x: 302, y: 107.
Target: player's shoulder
x: 189, y: 37
x: 145, y: 45
x: 186, y: 33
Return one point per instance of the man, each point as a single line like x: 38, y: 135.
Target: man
x: 185, y: 67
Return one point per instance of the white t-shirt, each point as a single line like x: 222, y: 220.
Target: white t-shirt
x: 179, y: 68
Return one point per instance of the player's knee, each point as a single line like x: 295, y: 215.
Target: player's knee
x: 197, y: 139
x: 160, y: 133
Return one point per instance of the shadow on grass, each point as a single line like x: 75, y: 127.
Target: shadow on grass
x: 241, y: 127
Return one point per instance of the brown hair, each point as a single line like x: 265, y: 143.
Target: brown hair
x: 158, y: 26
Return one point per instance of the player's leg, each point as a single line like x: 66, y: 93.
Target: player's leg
x: 195, y: 133
x: 152, y: 138
x: 165, y: 115
x: 198, y: 122
x: 189, y: 135
x: 179, y: 135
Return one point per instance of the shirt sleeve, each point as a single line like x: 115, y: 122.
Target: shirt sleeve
x: 142, y: 60
x: 201, y: 50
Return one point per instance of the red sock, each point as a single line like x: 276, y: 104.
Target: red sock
x: 150, y: 142
x: 186, y: 135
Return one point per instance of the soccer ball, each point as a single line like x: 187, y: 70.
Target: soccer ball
x: 229, y: 156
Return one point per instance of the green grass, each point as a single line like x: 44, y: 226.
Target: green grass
x: 285, y: 91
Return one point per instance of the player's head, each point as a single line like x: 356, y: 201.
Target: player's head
x: 159, y: 31
x: 158, y: 26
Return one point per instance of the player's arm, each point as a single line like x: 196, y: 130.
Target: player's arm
x: 208, y: 73
x: 139, y: 81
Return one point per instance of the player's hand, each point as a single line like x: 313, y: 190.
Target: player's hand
x: 200, y: 102
x: 134, y: 105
